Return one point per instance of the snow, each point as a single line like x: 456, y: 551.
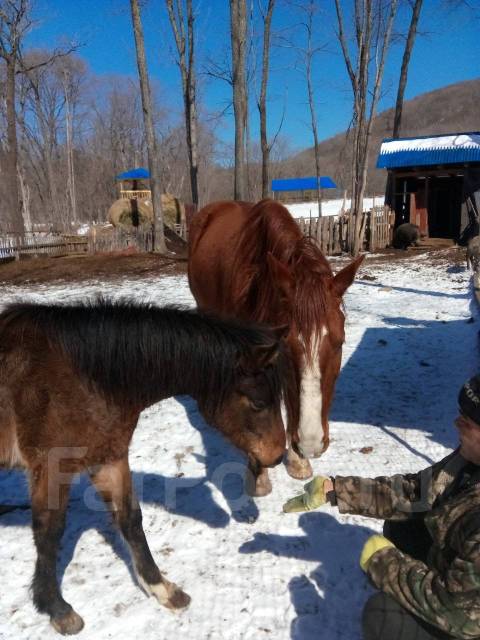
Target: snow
x: 252, y: 571
x: 331, y: 207
x: 464, y: 141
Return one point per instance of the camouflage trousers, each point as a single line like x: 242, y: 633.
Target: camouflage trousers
x: 383, y: 618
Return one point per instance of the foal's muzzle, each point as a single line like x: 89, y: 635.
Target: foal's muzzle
x: 277, y: 462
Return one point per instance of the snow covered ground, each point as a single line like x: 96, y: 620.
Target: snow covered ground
x: 331, y: 207
x: 252, y: 571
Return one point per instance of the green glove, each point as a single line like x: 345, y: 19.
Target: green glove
x: 372, y: 545
x: 313, y: 497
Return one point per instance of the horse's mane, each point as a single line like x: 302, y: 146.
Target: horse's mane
x: 130, y: 351
x: 271, y: 229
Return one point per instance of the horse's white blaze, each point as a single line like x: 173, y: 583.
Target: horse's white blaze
x: 310, y: 428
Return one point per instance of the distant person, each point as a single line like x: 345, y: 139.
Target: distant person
x: 427, y: 563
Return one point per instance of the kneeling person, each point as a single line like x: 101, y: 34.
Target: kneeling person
x: 427, y: 563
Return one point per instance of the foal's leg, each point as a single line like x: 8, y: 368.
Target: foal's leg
x: 49, y: 503
x: 297, y: 466
x: 257, y: 483
x: 114, y: 483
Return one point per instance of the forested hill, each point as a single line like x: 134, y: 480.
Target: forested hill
x: 447, y: 110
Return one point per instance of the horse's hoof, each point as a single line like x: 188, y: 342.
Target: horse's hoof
x: 178, y: 599
x: 258, y: 487
x: 262, y: 487
x: 300, y: 469
x: 69, y: 624
x: 168, y: 594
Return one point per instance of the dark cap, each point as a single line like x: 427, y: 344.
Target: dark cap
x: 469, y: 399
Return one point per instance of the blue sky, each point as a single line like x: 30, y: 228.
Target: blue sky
x: 447, y: 51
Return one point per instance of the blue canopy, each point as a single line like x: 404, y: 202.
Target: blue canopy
x: 134, y: 174
x: 302, y: 184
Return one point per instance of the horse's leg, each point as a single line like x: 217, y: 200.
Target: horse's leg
x: 49, y: 504
x: 114, y: 483
x: 257, y: 483
x: 297, y: 466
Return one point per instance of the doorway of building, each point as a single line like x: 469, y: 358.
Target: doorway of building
x: 444, y: 206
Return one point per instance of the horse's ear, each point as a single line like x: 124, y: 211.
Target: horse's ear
x: 281, y: 331
x: 282, y: 277
x: 344, y: 278
x: 263, y: 356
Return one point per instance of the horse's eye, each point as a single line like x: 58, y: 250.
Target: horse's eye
x: 258, y: 405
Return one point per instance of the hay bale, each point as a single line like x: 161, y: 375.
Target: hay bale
x: 128, y: 214
x: 173, y: 210
x: 138, y: 213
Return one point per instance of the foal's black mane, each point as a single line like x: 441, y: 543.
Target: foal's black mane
x: 137, y: 354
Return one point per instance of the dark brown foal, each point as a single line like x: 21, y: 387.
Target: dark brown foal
x: 73, y: 381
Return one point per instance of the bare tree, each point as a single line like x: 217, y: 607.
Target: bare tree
x: 238, y: 35
x: 71, y: 72
x: 410, y: 41
x: 185, y: 41
x: 159, y: 244
x: 14, y: 24
x: 373, y: 22
x: 262, y: 101
x: 46, y: 101
x: 306, y: 56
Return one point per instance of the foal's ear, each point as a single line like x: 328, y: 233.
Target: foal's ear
x: 281, y: 331
x: 282, y: 277
x: 344, y: 278
x: 262, y: 356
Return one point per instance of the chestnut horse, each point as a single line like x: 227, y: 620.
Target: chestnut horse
x: 253, y: 262
x: 73, y: 381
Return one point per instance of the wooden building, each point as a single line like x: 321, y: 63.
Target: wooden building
x: 434, y: 182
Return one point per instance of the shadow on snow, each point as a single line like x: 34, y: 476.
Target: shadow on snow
x: 407, y: 375
x: 329, y: 600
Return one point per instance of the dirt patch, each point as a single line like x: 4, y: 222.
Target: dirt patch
x: 115, y: 266
x: 454, y: 255
x: 88, y: 267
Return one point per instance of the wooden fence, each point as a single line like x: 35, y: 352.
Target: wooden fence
x: 105, y: 241
x: 98, y: 240
x: 16, y: 245
x: 333, y: 232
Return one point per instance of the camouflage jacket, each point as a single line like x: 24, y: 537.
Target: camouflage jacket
x: 446, y: 590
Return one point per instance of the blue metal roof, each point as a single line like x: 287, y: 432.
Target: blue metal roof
x: 458, y: 148
x: 302, y: 184
x: 134, y: 174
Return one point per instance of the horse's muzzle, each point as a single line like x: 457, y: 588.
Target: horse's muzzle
x: 310, y: 452
x: 277, y: 462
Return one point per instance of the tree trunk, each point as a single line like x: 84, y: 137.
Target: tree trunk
x: 192, y: 137
x: 238, y: 34
x: 69, y: 140
x: 262, y: 104
x: 187, y: 72
x: 368, y: 25
x: 25, y: 190
x: 310, y: 52
x: 412, y: 32
x: 47, y: 135
x: 155, y: 183
x: 15, y: 219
